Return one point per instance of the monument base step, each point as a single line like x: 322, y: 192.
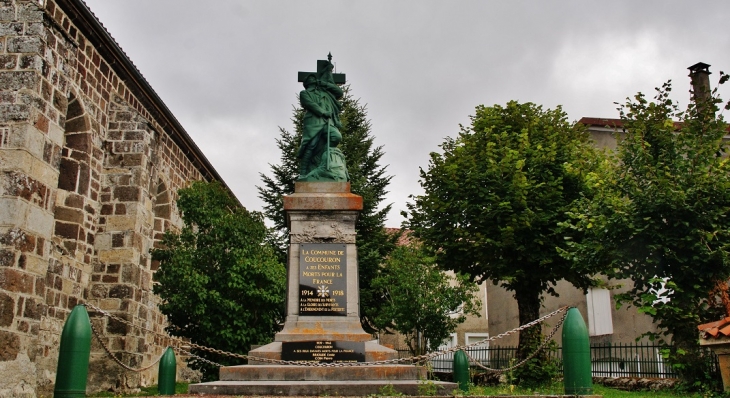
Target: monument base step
x: 315, y: 373
x: 323, y: 388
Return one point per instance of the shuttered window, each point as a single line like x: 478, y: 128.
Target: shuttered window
x: 599, y: 312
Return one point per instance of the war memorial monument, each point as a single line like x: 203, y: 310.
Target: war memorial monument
x: 323, y: 305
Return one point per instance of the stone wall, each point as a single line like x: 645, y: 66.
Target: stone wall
x: 88, y: 176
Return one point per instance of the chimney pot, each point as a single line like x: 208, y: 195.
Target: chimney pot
x: 700, y: 67
x: 700, y: 73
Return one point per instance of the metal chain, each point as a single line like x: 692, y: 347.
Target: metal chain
x: 497, y: 337
x: 184, y: 352
x: 120, y: 363
x: 416, y: 359
x: 545, y: 342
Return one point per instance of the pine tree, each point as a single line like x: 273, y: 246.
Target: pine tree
x: 368, y: 179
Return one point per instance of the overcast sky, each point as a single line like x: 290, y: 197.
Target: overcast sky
x: 228, y: 69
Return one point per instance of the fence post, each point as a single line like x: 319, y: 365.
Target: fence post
x: 461, y: 370
x: 167, y: 373
x: 73, y: 355
x: 576, y: 355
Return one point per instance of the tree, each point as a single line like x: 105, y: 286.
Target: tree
x: 661, y: 218
x: 423, y: 303
x: 221, y: 286
x: 368, y: 179
x: 494, y: 201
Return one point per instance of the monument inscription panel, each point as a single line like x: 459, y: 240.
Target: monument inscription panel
x: 323, y: 351
x: 322, y: 279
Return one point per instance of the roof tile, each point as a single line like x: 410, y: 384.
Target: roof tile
x: 715, y: 329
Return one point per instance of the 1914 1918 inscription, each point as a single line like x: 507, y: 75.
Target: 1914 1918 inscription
x: 323, y: 351
x: 322, y: 279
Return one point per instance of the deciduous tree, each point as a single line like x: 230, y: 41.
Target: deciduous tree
x: 661, y: 218
x: 422, y: 302
x: 220, y: 283
x: 494, y: 200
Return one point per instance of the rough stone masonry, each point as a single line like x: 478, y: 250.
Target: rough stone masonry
x: 90, y: 163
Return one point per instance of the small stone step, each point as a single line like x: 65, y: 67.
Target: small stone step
x: 323, y: 388
x: 314, y: 373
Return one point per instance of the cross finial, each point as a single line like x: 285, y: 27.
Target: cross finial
x: 338, y: 78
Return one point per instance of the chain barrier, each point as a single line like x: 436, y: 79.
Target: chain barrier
x: 120, y: 363
x: 426, y: 357
x: 178, y: 343
x: 544, y: 343
x: 184, y: 352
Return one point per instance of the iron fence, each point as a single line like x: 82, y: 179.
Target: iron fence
x: 607, y: 360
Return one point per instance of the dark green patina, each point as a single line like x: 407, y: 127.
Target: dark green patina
x: 319, y: 157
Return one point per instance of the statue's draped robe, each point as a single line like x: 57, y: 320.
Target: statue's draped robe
x: 320, y: 101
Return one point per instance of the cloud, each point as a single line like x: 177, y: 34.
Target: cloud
x: 227, y: 69
x: 610, y: 63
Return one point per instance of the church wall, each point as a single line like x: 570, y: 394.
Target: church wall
x: 88, y: 176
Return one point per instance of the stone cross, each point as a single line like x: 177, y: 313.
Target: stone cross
x: 339, y: 78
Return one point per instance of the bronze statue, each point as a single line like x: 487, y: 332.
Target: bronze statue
x: 319, y: 157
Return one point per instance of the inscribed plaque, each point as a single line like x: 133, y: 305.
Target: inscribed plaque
x: 323, y: 351
x: 322, y: 279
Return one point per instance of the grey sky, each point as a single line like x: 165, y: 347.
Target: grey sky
x: 228, y: 69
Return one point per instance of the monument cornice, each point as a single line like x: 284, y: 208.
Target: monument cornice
x: 317, y: 196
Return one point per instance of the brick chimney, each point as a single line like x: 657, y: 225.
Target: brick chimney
x: 699, y: 73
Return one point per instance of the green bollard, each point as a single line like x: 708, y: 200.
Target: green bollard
x: 461, y: 370
x: 73, y: 356
x: 576, y: 355
x: 168, y: 371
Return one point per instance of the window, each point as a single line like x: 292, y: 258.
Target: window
x: 472, y: 338
x: 599, y: 312
x: 479, y: 351
x: 445, y: 363
x: 448, y: 342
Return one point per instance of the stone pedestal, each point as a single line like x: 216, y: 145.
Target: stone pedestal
x: 323, y: 309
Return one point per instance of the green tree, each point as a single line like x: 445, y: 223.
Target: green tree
x: 661, y: 218
x: 494, y: 200
x: 221, y: 286
x: 368, y: 179
x: 423, y: 303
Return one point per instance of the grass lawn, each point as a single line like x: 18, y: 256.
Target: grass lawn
x: 557, y: 389
x: 476, y: 391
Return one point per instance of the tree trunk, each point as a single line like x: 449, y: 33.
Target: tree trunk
x: 528, y: 307
x: 539, y: 369
x: 687, y: 356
